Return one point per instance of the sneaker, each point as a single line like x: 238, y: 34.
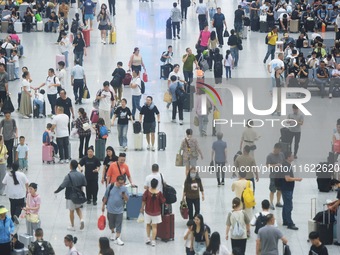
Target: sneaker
x: 118, y: 241
x: 25, y: 117
x: 279, y: 205
x: 125, y: 148
x: 70, y: 228
x: 113, y: 237
x: 153, y: 148
x: 330, y: 95
x: 174, y: 38
x: 181, y: 122
x: 293, y: 227
x: 16, y: 220
x: 88, y: 202
x: 153, y: 243
x: 94, y: 203
x: 173, y: 121
x: 148, y: 147
x: 148, y: 241
x: 41, y: 115
x: 61, y: 161
x: 67, y: 161
x: 82, y: 225
x: 272, y: 207
x: 178, y: 37
x: 222, y: 183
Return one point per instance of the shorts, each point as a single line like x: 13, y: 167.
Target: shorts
x: 71, y: 206
x: 273, y: 185
x: 149, y: 127
x: 89, y: 16
x: 191, y: 162
x: 115, y: 221
x: 148, y: 219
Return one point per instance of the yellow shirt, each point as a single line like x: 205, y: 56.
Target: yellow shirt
x: 3, y: 153
x: 273, y: 39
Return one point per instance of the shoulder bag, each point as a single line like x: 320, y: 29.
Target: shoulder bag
x: 169, y: 193
x: 77, y: 196
x: 124, y: 175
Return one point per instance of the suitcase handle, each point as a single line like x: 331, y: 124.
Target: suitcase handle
x: 312, y: 202
x: 324, y: 214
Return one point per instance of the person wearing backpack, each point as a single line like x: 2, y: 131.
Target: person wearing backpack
x: 238, y: 223
x: 271, y: 40
x: 177, y: 91
x: 232, y: 42
x: 106, y: 102
x: 40, y: 246
x: 260, y: 220
x: 117, y: 81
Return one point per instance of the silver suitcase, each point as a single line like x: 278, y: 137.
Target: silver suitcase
x: 23, y: 251
x: 312, y: 224
x: 10, y: 71
x: 138, y: 139
x: 26, y: 239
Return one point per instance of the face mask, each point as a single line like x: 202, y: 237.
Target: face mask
x: 192, y: 175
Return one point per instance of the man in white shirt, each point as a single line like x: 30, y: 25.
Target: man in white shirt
x: 106, y: 99
x: 179, y: 76
x: 64, y: 47
x: 15, y: 60
x: 60, y: 126
x: 155, y: 175
x: 202, y: 12
x: 78, y: 80
x: 265, y: 211
x: 278, y: 62
x: 52, y: 83
x: 61, y: 74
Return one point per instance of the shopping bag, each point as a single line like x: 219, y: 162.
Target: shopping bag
x: 226, y: 33
x: 196, y: 121
x: 145, y: 77
x: 101, y: 222
x: 184, y: 210
x: 216, y: 114
x: 140, y: 218
x: 167, y: 97
x: 86, y: 93
x: 179, y: 159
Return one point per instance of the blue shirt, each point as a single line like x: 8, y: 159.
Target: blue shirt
x: 115, y: 202
x: 78, y: 72
x: 218, y: 19
x: 88, y: 7
x: 6, y: 229
x: 219, y: 147
x: 172, y: 89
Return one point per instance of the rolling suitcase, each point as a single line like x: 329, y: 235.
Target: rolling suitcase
x: 188, y: 102
x: 47, y: 154
x: 166, y: 229
x: 86, y: 35
x: 137, y: 127
x: 294, y: 26
x: 100, y: 149
x: 18, y: 27
x: 263, y: 27
x: 310, y: 25
x: 4, y: 26
x: 10, y: 71
x: 325, y: 230
x: 312, y: 224
x: 94, y: 116
x: 59, y: 58
x: 113, y: 36
x: 161, y: 140
x: 285, y: 135
x: 168, y: 34
x: 23, y: 251
x: 138, y: 141
x: 26, y: 239
x: 165, y: 71
x: 40, y: 26
x: 133, y: 206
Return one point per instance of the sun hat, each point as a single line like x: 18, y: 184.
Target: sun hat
x: 3, y: 209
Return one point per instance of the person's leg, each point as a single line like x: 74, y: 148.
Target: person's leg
x: 278, y: 197
x: 53, y: 102
x: 219, y: 32
x: 138, y: 103
x: 9, y: 146
x: 134, y: 106
x: 65, y: 142
x: 174, y: 29
x: 267, y: 54
x: 75, y: 90
x: 174, y: 110
x: 80, y: 214
x: 148, y: 230
x: 120, y: 93
x: 218, y: 174
x: 16, y: 73
x: 154, y: 232
x: 72, y: 218
x: 95, y: 191
x: 118, y: 224
x: 124, y: 135
x: 6, y: 248
x: 186, y: 76
x: 190, y: 208
x: 180, y: 110
x: 120, y: 134
x: 197, y: 205
x: 61, y: 148
x: 152, y: 139
x: 81, y: 146
x: 87, y: 140
x: 272, y: 51
x: 12, y: 204
x: 297, y: 138
x: 287, y: 197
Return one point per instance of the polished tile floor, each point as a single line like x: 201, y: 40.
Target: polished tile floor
x: 143, y: 25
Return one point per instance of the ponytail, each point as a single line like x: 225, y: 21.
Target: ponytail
x: 15, y: 167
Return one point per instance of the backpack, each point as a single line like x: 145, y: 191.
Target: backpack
x: 248, y: 198
x: 103, y: 132
x: 41, y: 249
x: 246, y: 22
x: 238, y: 231
x: 180, y: 94
x: 266, y: 39
x: 218, y: 65
x: 261, y: 221
x: 46, y: 138
x: 142, y: 86
x: 74, y: 26
x: 163, y: 59
x: 66, y: 27
x: 116, y: 81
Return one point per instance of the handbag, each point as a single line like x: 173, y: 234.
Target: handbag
x: 204, y: 65
x: 184, y: 210
x: 196, y: 121
x: 140, y: 218
x: 32, y: 217
x: 145, y: 77
x: 86, y: 126
x: 216, y: 114
x: 226, y: 33
x: 263, y: 18
x: 77, y: 196
x: 239, y: 46
x: 101, y: 222
x: 167, y: 97
x: 179, y: 159
x: 7, y: 105
x: 86, y: 93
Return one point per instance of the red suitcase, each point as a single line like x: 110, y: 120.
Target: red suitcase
x: 86, y: 35
x: 166, y: 229
x: 47, y: 154
x: 94, y: 116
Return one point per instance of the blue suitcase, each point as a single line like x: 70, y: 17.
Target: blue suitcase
x: 133, y: 206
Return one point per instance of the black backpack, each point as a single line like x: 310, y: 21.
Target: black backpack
x: 261, y: 221
x: 74, y: 26
x: 116, y: 81
x: 66, y: 27
x: 163, y: 59
x: 142, y: 86
x: 218, y: 65
x: 179, y: 92
x: 41, y: 249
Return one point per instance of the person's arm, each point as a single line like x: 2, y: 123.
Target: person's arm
x: 143, y: 206
x: 130, y: 62
x: 227, y: 232
x: 72, y: 111
x: 185, y: 57
x: 196, y: 64
x: 158, y: 118
x: 143, y: 65
x: 258, y: 246
x: 284, y: 240
x: 103, y: 175
x: 212, y: 154
x: 292, y: 179
x: 207, y: 240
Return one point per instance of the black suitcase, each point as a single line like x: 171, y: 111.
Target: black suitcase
x: 325, y: 230
x: 310, y: 25
x: 165, y: 71
x: 137, y: 127
x: 255, y: 24
x: 263, y: 27
x: 285, y: 135
x: 161, y: 140
x: 168, y: 34
x: 100, y: 149
x: 324, y: 184
x: 188, y: 102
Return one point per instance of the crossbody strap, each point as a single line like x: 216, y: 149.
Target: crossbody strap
x: 119, y: 168
x: 187, y: 143
x: 69, y: 176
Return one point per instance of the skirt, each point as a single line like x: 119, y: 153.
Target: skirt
x: 103, y: 27
x: 25, y: 104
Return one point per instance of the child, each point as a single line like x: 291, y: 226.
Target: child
x: 317, y: 247
x: 38, y: 101
x: 48, y: 138
x: 22, y: 154
x: 228, y: 63
x: 188, y: 236
x: 15, y: 60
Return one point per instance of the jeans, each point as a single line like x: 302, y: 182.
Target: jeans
x: 78, y: 86
x: 212, y: 11
x: 238, y: 27
x: 199, y: 248
x: 270, y: 51
x: 188, y: 77
x: 63, y: 147
x: 22, y: 163
x: 122, y: 132
x: 78, y: 55
x: 135, y: 105
x: 321, y: 82
x: 65, y: 53
x: 52, y: 98
x: 203, y: 123
x: 82, y: 139
x: 287, y: 196
x: 51, y: 25
x: 219, y: 171
x: 296, y: 136
x: 184, y: 11
x: 202, y: 20
x: 16, y: 73
x: 92, y: 189
x: 219, y: 32
x: 6, y: 248
x: 9, y: 146
x: 193, y: 203
x: 39, y: 103
x: 112, y: 7
x: 55, y: 147
x: 16, y: 206
x: 234, y: 54
x: 240, y: 244
x: 174, y: 26
x: 228, y: 72
x: 176, y: 105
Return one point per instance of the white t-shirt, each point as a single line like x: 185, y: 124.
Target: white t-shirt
x: 178, y: 75
x: 22, y: 149
x: 15, y: 191
x: 136, y: 91
x: 156, y: 176
x: 61, y: 121
x: 253, y: 220
x: 106, y: 100
x: 72, y: 251
x: 229, y: 61
x: 52, y: 90
x: 16, y: 61
x: 188, y: 241
x: 7, y: 45
x: 62, y: 77
x: 275, y: 63
x: 26, y: 84
x: 66, y: 44
x: 39, y: 97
